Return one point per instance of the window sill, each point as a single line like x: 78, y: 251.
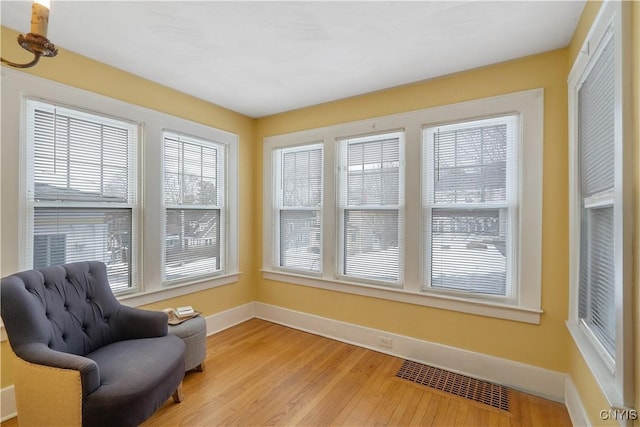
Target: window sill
x: 481, y: 308
x: 601, y: 373
x: 155, y: 295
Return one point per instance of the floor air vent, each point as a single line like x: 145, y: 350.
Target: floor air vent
x: 484, y: 392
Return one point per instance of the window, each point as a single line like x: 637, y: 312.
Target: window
x: 596, y: 152
x: 439, y: 207
x: 298, y: 207
x: 371, y: 197
x: 91, y: 186
x: 194, y: 203
x: 601, y: 205
x: 470, y: 195
x: 81, y: 193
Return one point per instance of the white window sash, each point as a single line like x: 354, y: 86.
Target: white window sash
x: 18, y: 86
x: 308, y: 262
x: 525, y: 305
x: 376, y: 268
x: 207, y: 253
x: 510, y: 204
x: 81, y: 203
x: 613, y: 20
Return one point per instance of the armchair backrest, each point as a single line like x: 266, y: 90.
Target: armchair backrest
x: 68, y: 308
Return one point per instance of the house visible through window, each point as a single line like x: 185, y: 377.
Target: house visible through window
x: 298, y: 205
x: 81, y: 191
x: 371, y: 206
x: 49, y: 249
x: 194, y: 200
x: 470, y: 184
x: 439, y: 207
x: 82, y: 181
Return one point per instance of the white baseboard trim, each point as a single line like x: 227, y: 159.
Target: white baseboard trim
x: 228, y: 318
x: 7, y: 404
x: 577, y: 412
x: 530, y: 379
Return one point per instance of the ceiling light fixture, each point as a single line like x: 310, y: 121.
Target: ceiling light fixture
x: 36, y: 41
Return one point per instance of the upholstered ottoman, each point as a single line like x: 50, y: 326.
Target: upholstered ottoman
x: 194, y: 333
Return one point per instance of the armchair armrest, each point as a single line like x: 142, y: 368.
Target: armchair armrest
x: 47, y: 396
x: 40, y: 354
x: 135, y: 323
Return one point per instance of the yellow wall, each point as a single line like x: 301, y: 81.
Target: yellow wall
x: 82, y: 72
x: 546, y: 345
x: 541, y: 345
x: 589, y: 392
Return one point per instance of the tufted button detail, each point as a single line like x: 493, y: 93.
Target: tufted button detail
x: 106, y: 319
x: 65, y: 307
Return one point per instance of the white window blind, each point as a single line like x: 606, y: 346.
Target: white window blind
x: 596, y: 146
x: 371, y: 203
x: 470, y: 199
x: 194, y: 201
x: 298, y: 205
x: 82, y: 188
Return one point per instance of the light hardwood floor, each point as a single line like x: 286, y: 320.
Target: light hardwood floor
x: 262, y: 374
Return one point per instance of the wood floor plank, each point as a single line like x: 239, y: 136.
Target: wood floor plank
x: 360, y: 382
x: 421, y: 409
x: 404, y: 409
x: 320, y: 407
x: 263, y: 374
x: 331, y: 410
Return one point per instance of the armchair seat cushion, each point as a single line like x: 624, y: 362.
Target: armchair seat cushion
x: 121, y: 363
x: 137, y: 377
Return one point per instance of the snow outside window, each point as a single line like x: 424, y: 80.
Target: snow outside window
x: 194, y: 198
x: 470, y: 186
x: 298, y: 207
x: 371, y: 206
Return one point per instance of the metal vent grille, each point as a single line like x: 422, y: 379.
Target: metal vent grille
x: 484, y: 392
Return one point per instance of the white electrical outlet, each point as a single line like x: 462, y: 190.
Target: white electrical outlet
x: 385, y: 341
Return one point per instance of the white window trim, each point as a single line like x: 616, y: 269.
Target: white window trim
x: 17, y: 86
x: 527, y: 308
x: 223, y: 214
x: 276, y: 159
x: 615, y: 381
x: 342, y: 147
x: 30, y: 204
x: 511, y: 203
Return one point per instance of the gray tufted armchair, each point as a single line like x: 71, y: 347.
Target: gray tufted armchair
x: 83, y: 358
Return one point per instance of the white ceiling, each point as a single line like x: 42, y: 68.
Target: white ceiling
x: 261, y: 58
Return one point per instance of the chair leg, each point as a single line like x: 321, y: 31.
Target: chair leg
x: 178, y: 396
x: 200, y: 367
